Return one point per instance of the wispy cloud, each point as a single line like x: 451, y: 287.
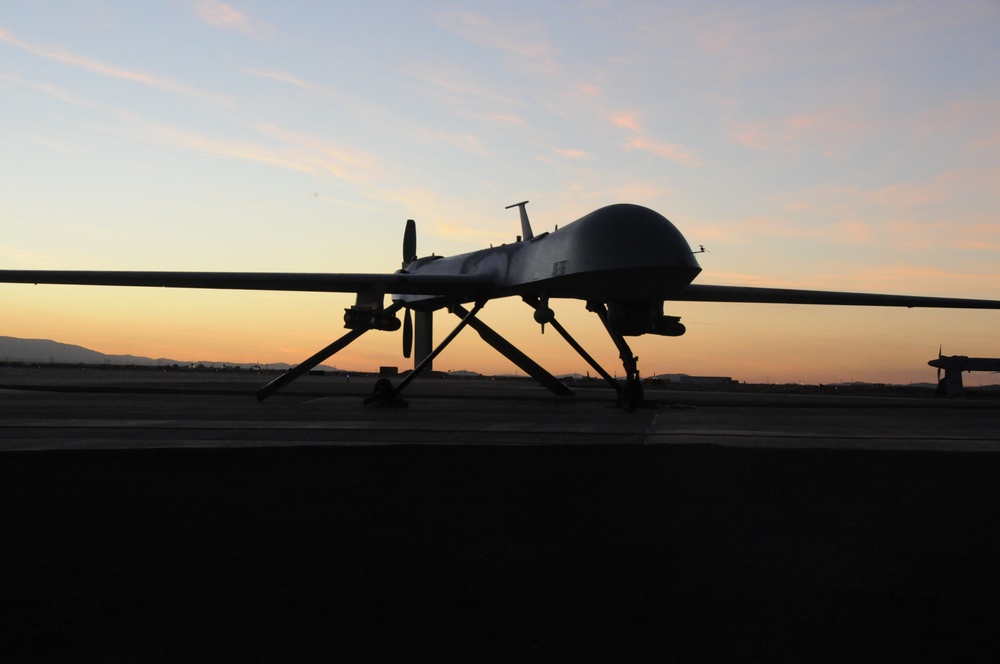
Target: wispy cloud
x: 43, y: 141
x: 51, y: 90
x: 570, y: 153
x: 326, y: 156
x: 522, y: 40
x: 451, y: 80
x: 672, y: 151
x: 950, y: 186
x: 356, y: 106
x: 304, y: 153
x: 881, y: 278
x: 104, y: 69
x: 626, y: 120
x: 463, y: 140
x: 908, y: 278
x: 831, y: 129
x: 220, y: 15
x: 460, y: 94
x: 641, y: 140
x: 909, y: 218
x: 285, y: 77
x: 505, y: 119
x: 746, y: 42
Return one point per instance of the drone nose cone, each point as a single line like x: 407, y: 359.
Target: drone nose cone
x: 631, y: 239
x: 637, y: 232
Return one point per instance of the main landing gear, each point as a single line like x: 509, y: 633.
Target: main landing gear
x: 385, y: 394
x: 630, y: 395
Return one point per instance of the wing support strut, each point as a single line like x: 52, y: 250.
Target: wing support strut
x: 306, y: 366
x: 508, y: 350
x: 386, y: 395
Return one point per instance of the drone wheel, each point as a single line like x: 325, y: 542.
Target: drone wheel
x: 631, y: 395
x: 383, y: 390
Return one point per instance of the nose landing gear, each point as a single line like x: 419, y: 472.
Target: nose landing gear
x: 630, y: 396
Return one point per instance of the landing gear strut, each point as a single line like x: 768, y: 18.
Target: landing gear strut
x: 387, y: 395
x: 630, y: 396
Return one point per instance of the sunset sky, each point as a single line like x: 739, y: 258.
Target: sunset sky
x: 845, y: 146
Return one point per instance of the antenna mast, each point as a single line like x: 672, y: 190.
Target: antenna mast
x: 526, y: 233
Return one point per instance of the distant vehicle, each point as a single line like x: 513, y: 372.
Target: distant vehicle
x: 623, y: 260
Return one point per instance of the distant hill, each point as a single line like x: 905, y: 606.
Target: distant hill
x: 46, y: 351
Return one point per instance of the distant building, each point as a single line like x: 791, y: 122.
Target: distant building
x: 685, y: 379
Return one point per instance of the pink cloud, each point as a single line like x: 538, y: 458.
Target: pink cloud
x: 304, y: 153
x: 642, y: 141
x: 626, y: 120
x: 950, y: 186
x: 463, y: 141
x: 456, y: 82
x: 671, y: 151
x: 834, y: 130
x: 515, y: 40
x: 881, y: 278
x: 220, y: 15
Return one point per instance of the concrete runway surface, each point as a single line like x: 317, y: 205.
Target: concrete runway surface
x: 152, y: 516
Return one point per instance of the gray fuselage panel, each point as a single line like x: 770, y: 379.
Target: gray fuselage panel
x: 620, y: 252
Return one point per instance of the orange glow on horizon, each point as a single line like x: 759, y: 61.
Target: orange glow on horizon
x: 750, y: 343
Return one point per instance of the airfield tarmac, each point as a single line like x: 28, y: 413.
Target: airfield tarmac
x: 166, y: 516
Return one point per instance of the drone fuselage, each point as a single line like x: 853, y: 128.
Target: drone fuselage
x: 619, y: 253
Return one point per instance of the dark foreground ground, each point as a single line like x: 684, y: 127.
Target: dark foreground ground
x: 470, y: 552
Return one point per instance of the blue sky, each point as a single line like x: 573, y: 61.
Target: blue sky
x: 850, y: 146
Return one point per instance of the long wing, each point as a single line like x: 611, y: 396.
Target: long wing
x: 449, y: 285
x: 708, y: 293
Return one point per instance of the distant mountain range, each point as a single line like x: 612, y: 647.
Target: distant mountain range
x: 46, y: 351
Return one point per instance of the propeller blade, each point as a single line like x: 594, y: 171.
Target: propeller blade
x: 409, y: 242
x: 407, y: 333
